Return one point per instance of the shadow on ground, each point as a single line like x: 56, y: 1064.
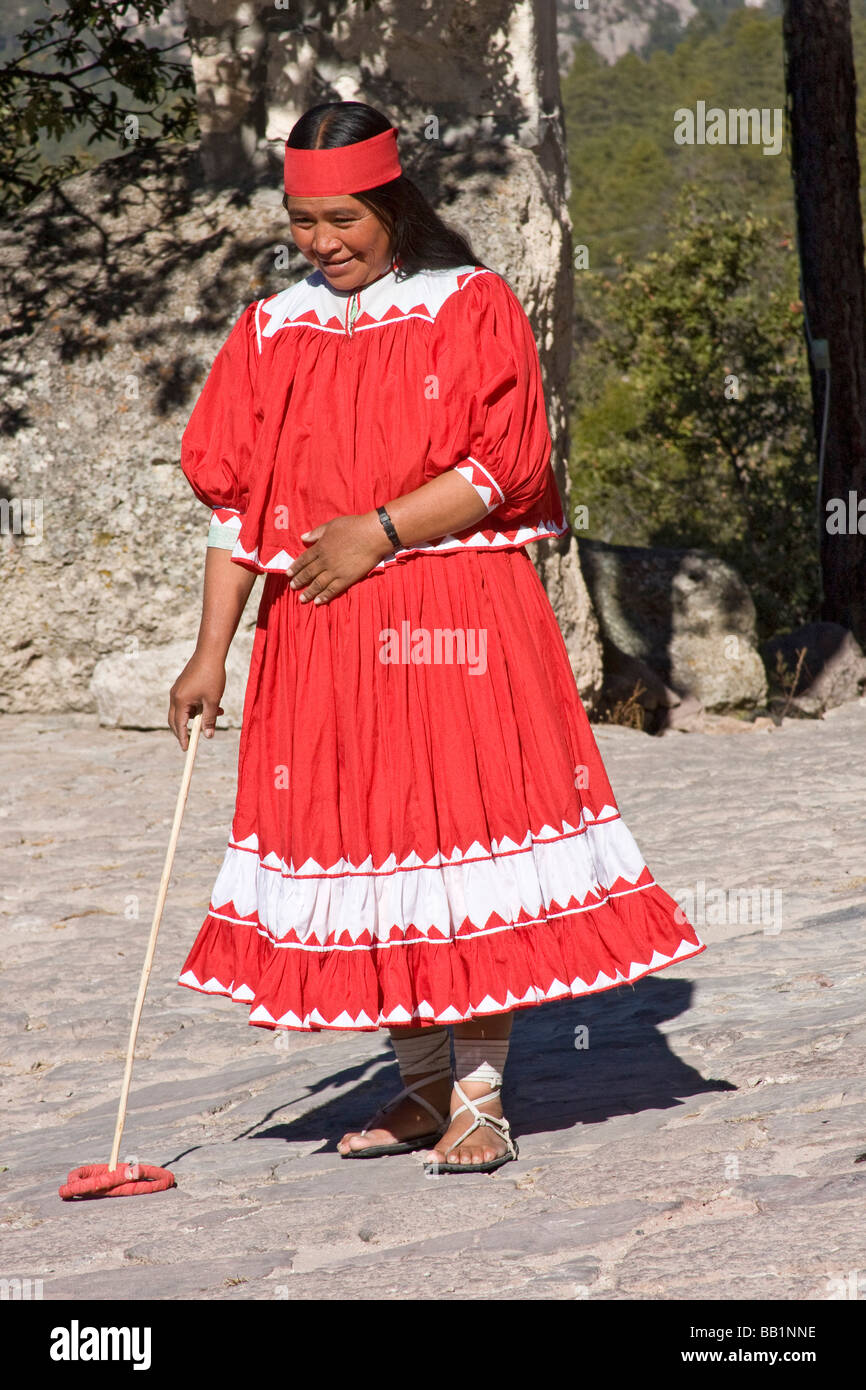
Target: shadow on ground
x: 577, y: 1061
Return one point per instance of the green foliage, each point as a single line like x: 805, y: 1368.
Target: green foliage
x: 82, y: 72
x: 691, y: 406
x: 82, y: 77
x: 686, y: 286
x: 624, y: 165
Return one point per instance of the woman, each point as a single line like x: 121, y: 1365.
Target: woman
x: 424, y: 833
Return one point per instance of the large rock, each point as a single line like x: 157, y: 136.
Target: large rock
x: 131, y: 688
x: 685, y: 614
x: 833, y: 669
x: 559, y: 568
x: 101, y: 369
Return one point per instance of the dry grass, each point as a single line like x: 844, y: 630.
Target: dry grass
x: 629, y: 712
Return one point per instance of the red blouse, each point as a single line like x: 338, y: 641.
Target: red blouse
x: 323, y: 403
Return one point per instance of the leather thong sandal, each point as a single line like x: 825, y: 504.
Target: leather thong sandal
x: 496, y: 1122
x: 419, y: 1141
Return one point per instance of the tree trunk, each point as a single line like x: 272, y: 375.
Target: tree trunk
x: 473, y: 86
x: 822, y: 103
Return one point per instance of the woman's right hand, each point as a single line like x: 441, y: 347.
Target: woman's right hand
x: 198, y: 687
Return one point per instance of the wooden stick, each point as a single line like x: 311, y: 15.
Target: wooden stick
x: 195, y: 730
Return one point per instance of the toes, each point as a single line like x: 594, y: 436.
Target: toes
x: 466, y: 1153
x: 351, y: 1143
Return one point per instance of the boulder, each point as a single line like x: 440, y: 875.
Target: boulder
x: 102, y: 368
x: 683, y: 614
x: 131, y: 688
x: 833, y: 670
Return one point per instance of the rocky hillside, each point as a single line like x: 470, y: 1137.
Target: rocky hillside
x: 636, y: 26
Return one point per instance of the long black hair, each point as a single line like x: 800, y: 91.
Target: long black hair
x: 420, y: 240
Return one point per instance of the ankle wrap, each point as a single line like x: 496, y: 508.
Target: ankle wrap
x: 428, y: 1053
x: 480, y: 1059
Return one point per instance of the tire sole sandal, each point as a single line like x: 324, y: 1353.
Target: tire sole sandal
x: 501, y: 1125
x: 418, y: 1141
x: 423, y: 1141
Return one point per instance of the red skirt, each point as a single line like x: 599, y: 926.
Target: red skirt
x: 424, y: 832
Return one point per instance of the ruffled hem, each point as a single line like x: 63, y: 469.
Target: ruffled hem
x: 489, y: 972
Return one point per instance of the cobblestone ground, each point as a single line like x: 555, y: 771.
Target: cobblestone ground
x: 704, y: 1145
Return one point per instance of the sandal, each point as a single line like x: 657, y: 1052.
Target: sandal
x: 495, y: 1121
x: 420, y: 1141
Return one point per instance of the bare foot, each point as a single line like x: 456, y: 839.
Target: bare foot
x: 407, y: 1120
x: 483, y: 1144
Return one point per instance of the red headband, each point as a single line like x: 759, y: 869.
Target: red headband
x: 344, y: 169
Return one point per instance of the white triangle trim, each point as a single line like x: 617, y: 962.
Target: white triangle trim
x: 421, y: 295
x: 535, y: 994
x: 559, y: 873
x: 475, y: 540
x: 261, y: 1015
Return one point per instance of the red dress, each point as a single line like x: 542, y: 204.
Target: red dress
x: 424, y: 831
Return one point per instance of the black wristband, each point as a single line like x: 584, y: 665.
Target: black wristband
x: 389, y: 529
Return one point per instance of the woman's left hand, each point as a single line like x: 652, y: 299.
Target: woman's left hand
x: 341, y: 551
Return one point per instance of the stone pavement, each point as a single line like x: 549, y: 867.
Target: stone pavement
x: 705, y: 1143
